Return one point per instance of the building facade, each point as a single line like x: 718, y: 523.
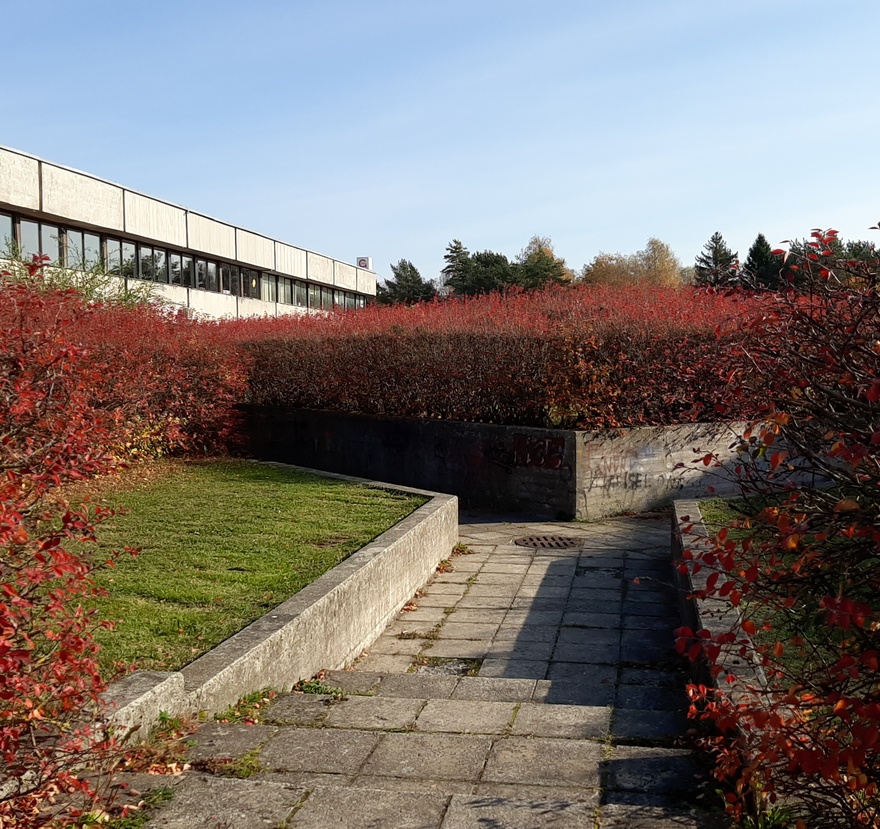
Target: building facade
x: 210, y: 267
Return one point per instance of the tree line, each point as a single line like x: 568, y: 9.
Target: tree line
x: 538, y: 266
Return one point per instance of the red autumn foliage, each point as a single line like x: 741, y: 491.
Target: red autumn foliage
x: 588, y: 357
x: 82, y: 389
x: 806, y: 576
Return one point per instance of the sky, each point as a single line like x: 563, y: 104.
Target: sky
x: 388, y: 128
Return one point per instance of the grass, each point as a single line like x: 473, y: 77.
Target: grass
x: 221, y: 543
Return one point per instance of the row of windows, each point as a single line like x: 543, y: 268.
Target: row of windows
x: 84, y: 249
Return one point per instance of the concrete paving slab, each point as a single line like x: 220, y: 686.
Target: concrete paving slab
x: 423, y: 614
x: 463, y: 630
x: 404, y: 628
x: 577, y: 618
x: 298, y: 709
x: 609, y: 654
x: 481, y: 588
x: 353, y: 682
x: 588, y: 636
x: 518, y: 649
x: 305, y: 779
x: 417, y: 686
x: 458, y: 648
x: 228, y: 741
x: 481, y: 616
x: 359, y: 808
x: 459, y: 716
x: 480, y: 811
x: 540, y: 760
x: 523, y: 791
x: 441, y: 600
x: 617, y: 816
x: 557, y: 692
x: 514, y: 668
x: 569, y: 721
x: 489, y: 688
x: 526, y: 633
x: 369, y: 713
x: 329, y: 750
x: 651, y: 770
x: 204, y: 802
x: 453, y: 577
x: 631, y: 724
x: 526, y: 616
x: 412, y: 784
x: 383, y: 663
x: 446, y: 756
x: 394, y: 646
x: 447, y: 588
x: 652, y: 698
x: 587, y: 672
x: 489, y: 602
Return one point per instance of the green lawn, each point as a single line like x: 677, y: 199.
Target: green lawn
x: 222, y: 542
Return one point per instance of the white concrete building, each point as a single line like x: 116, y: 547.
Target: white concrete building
x: 213, y: 268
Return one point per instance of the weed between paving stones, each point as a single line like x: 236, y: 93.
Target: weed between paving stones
x: 445, y: 665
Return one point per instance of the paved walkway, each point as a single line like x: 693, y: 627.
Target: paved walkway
x: 524, y: 687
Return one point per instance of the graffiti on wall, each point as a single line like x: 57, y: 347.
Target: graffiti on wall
x: 530, y: 452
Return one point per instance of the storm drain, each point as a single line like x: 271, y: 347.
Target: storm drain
x: 549, y: 542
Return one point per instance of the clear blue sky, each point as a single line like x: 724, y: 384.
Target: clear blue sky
x: 389, y: 127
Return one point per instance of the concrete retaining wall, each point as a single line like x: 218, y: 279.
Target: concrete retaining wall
x: 325, y: 625
x: 552, y: 473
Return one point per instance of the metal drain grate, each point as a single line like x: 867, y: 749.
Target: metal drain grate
x: 550, y: 542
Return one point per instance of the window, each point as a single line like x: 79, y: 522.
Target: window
x: 230, y: 279
x: 6, y: 236
x: 50, y: 242
x: 160, y: 266
x: 113, y: 256
x: 250, y: 283
x: 145, y: 262
x: 285, y: 290
x: 187, y: 272
x: 212, y: 282
x: 129, y: 263
x: 74, y: 255
x: 28, y: 238
x: 350, y: 301
x: 268, y: 292
x: 314, y: 296
x: 301, y: 294
x: 327, y: 299
x: 91, y: 250
x: 174, y: 273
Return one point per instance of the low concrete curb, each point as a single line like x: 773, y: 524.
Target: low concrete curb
x: 715, y: 615
x: 325, y: 625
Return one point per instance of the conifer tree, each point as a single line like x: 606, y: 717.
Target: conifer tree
x: 717, y: 264
x: 406, y: 286
x: 762, y: 268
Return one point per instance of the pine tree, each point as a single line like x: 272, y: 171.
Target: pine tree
x: 406, y: 285
x: 717, y: 264
x: 762, y: 268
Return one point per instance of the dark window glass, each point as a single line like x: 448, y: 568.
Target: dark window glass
x: 187, y: 273
x: 349, y: 301
x: 268, y: 291
x: 74, y: 257
x: 50, y: 243
x: 327, y: 299
x: 339, y: 298
x: 145, y: 262
x: 213, y: 283
x: 285, y: 290
x: 230, y: 279
x: 314, y: 296
x: 5, y: 232
x: 160, y: 266
x: 174, y: 273
x: 113, y: 256
x: 28, y: 238
x: 91, y: 250
x: 201, y: 274
x: 251, y: 283
x: 301, y: 294
x: 129, y: 262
